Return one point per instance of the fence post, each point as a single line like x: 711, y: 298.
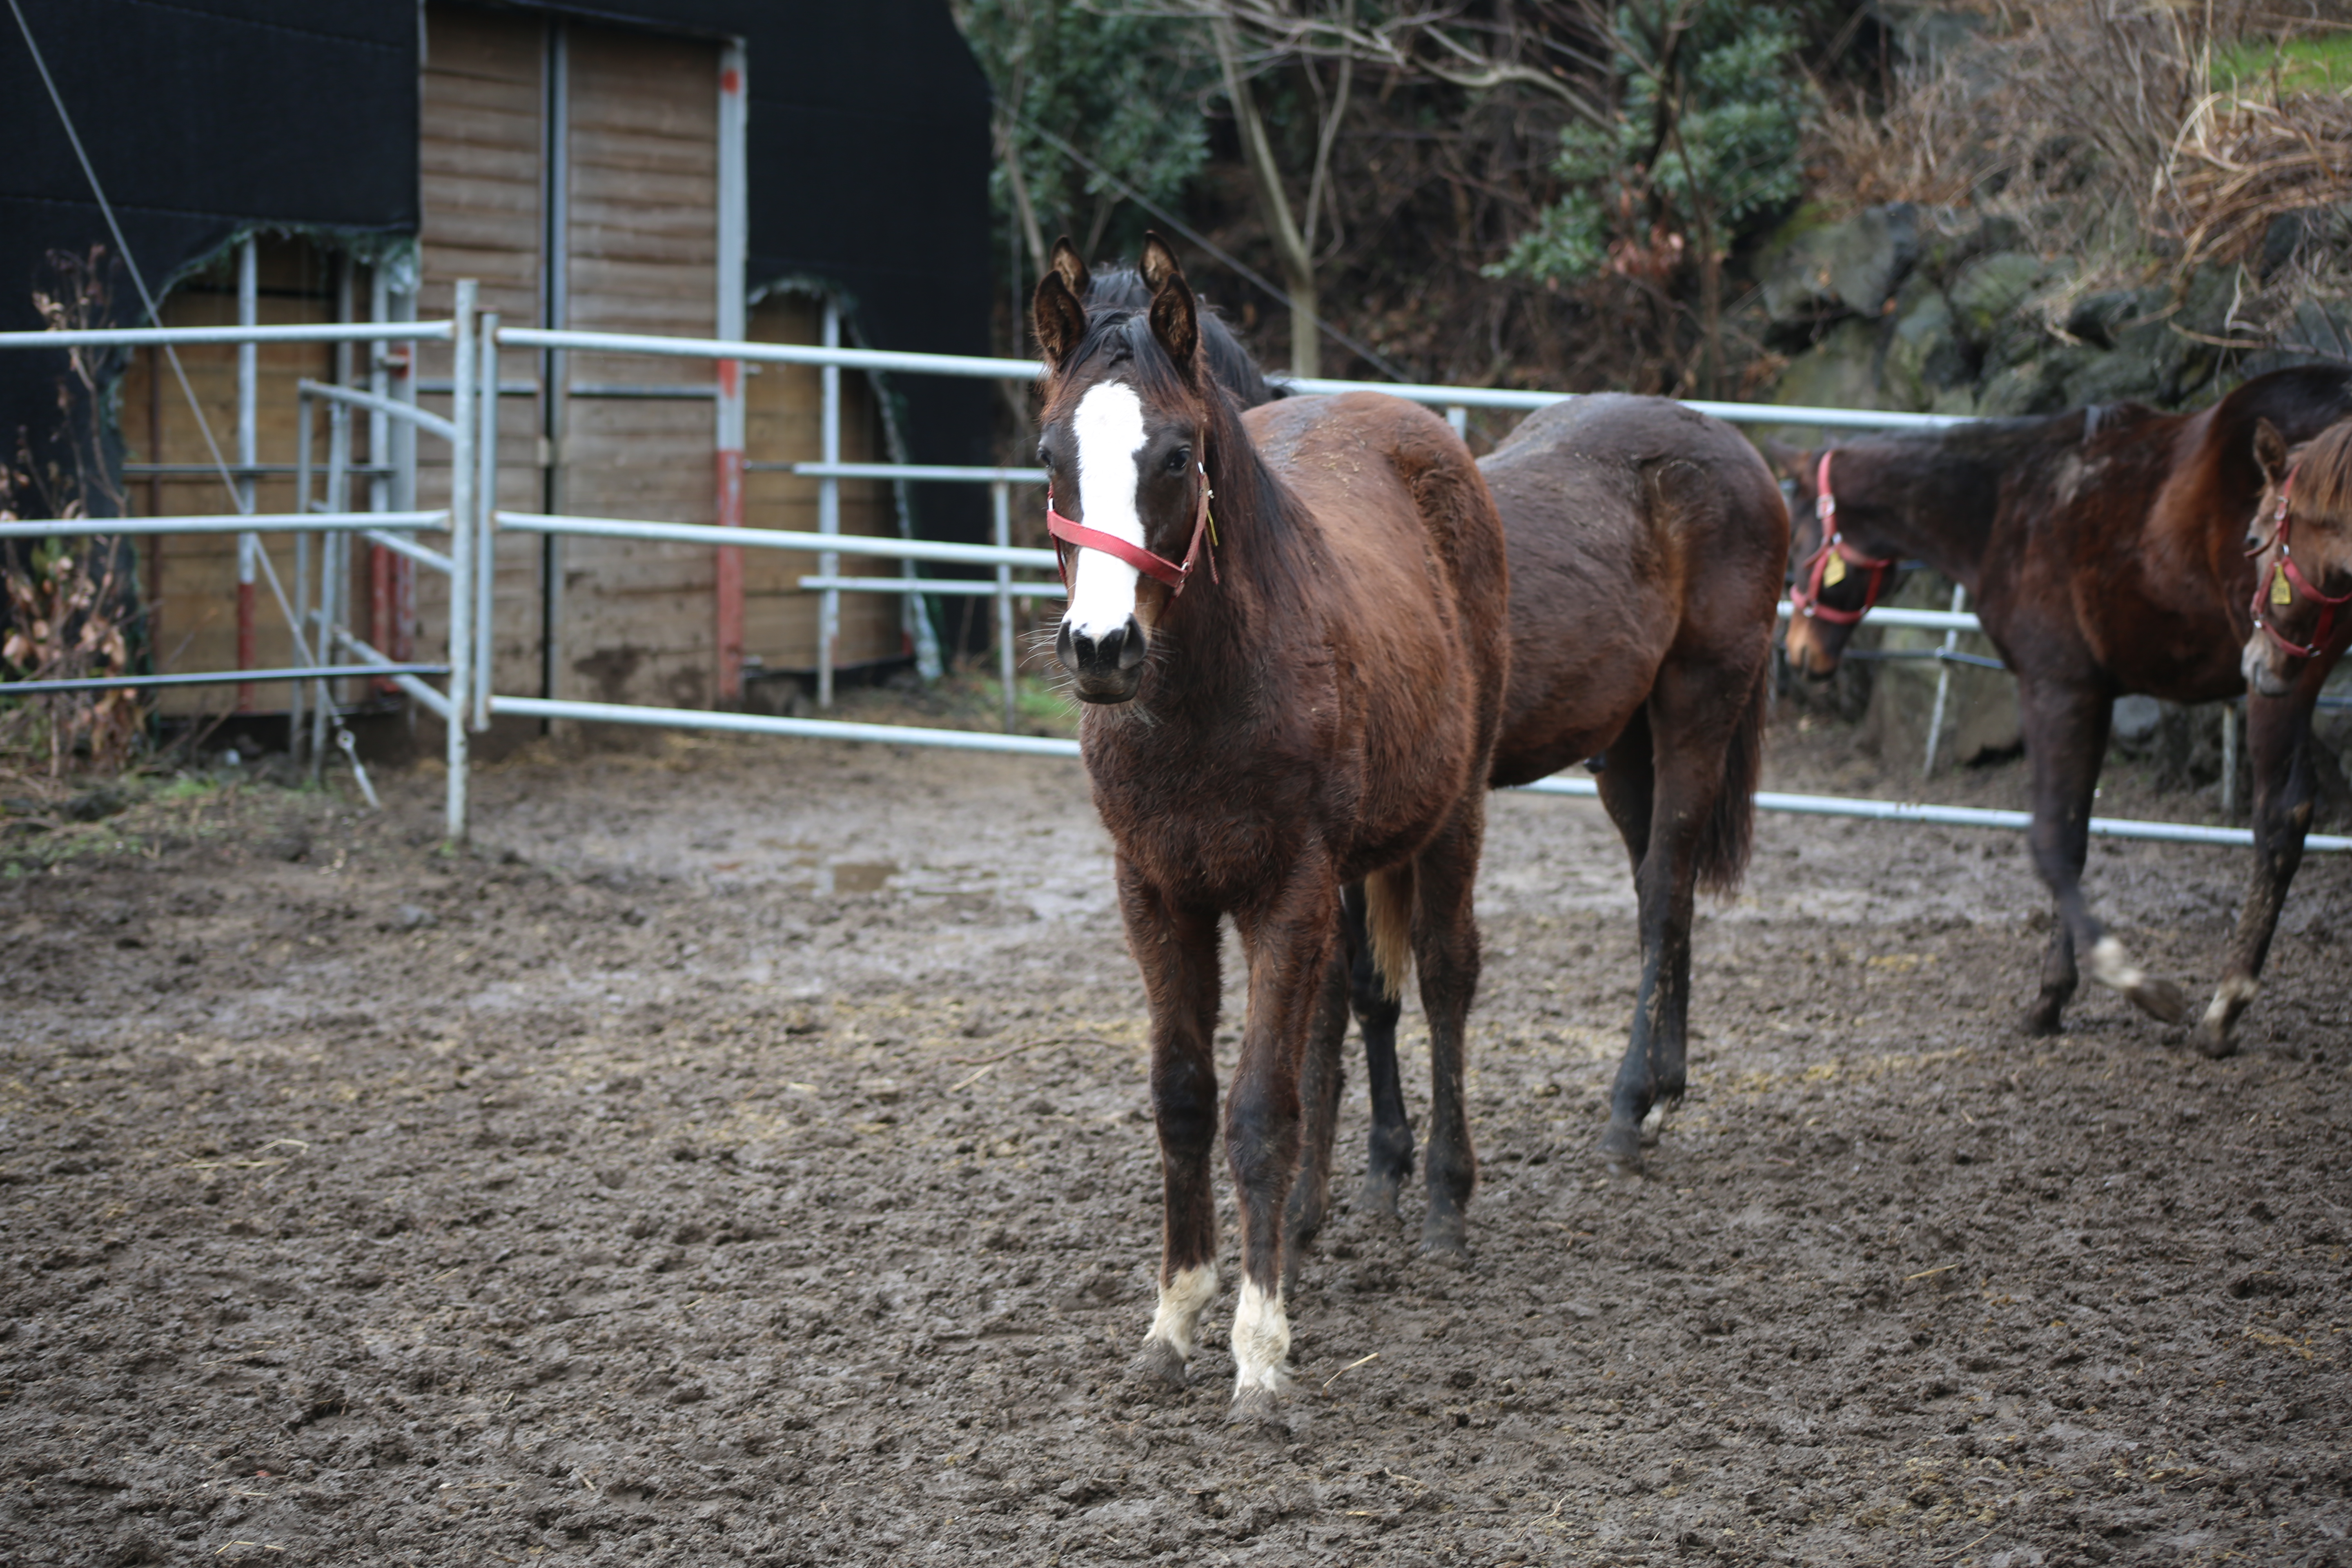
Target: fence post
x: 461, y: 555
x: 1007, y: 664
x: 304, y: 543
x: 485, y: 538
x: 1459, y: 417
x: 1943, y: 684
x: 248, y: 382
x: 828, y: 511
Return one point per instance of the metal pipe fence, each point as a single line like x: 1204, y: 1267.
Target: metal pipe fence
x: 829, y: 545
x: 323, y: 531
x: 471, y: 520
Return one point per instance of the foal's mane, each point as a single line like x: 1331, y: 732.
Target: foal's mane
x: 2323, y: 471
x: 1258, y: 517
x: 1123, y: 289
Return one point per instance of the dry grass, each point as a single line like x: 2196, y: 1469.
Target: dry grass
x: 2093, y: 124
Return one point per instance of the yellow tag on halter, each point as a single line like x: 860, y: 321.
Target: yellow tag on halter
x: 2281, y: 593
x: 1834, y: 573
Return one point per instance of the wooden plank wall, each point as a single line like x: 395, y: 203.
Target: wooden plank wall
x: 484, y: 98
x: 783, y: 423
x: 190, y: 581
x: 639, y: 617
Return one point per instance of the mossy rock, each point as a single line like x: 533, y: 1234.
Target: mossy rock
x: 1850, y: 267
x: 1986, y: 292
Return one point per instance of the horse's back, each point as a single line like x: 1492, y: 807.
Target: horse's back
x: 1638, y: 529
x: 1380, y: 474
x: 1412, y: 586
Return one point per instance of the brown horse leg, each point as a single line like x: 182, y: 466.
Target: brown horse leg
x: 2066, y: 740
x: 1320, y: 1081
x: 1628, y: 792
x: 2278, y: 742
x: 1389, y: 1152
x: 1177, y: 950
x: 1692, y: 713
x: 1291, y: 946
x: 1446, y: 950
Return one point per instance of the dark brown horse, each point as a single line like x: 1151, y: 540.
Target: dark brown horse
x: 2105, y: 552
x: 1310, y: 698
x: 1646, y: 543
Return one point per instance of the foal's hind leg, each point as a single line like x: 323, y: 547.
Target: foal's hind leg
x: 1445, y: 949
x: 1320, y: 1081
x: 2278, y: 740
x: 1389, y: 1153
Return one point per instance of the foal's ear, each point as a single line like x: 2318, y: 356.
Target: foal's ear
x: 1072, y: 267
x: 1060, y: 319
x: 1175, y: 316
x: 2270, y: 451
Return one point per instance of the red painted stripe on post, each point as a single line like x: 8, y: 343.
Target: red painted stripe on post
x: 245, y: 653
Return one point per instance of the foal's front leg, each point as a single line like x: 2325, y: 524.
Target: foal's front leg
x: 2278, y: 741
x: 1290, y: 945
x: 1176, y: 948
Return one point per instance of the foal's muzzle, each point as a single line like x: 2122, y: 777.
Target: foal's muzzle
x: 1108, y: 668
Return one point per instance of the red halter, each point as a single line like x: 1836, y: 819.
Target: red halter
x: 1158, y: 567
x: 2297, y: 584
x: 1807, y: 600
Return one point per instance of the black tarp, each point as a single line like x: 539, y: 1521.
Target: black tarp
x: 868, y: 152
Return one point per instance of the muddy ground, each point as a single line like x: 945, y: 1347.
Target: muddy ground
x: 744, y: 1155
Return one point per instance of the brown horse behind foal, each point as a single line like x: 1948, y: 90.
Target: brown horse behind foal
x: 1290, y: 628
x: 1646, y: 546
x: 2105, y: 552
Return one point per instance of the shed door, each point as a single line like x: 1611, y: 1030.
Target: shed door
x: 635, y: 435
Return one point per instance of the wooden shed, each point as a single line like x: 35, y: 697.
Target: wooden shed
x: 697, y: 169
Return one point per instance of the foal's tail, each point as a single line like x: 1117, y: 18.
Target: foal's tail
x: 1729, y: 833
x: 1388, y: 914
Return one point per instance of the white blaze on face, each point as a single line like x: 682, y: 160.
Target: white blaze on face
x: 1109, y: 428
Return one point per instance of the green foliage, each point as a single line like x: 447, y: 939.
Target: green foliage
x: 1124, y: 89
x: 1705, y: 137
x: 2322, y: 63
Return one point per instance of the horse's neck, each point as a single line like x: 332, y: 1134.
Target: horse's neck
x: 1919, y: 496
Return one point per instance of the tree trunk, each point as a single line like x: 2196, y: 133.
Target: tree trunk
x: 1291, y: 249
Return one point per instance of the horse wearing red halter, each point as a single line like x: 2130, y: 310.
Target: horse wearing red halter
x: 1647, y: 544
x: 2103, y: 557
x: 1322, y: 712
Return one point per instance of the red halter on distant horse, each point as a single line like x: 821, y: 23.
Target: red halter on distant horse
x: 1158, y: 567
x: 2288, y: 581
x: 1807, y: 600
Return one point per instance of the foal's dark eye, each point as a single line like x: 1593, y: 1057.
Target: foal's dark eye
x: 1179, y: 459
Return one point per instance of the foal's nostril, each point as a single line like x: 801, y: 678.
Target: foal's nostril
x: 1130, y: 646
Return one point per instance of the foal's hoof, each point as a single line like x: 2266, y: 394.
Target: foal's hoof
x: 1381, y: 1192
x: 2212, y: 1038
x: 1446, y: 1237
x: 1260, y: 1409
x: 1156, y: 1366
x: 2160, y: 1000
x: 1620, y: 1145
x: 2044, y: 1019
